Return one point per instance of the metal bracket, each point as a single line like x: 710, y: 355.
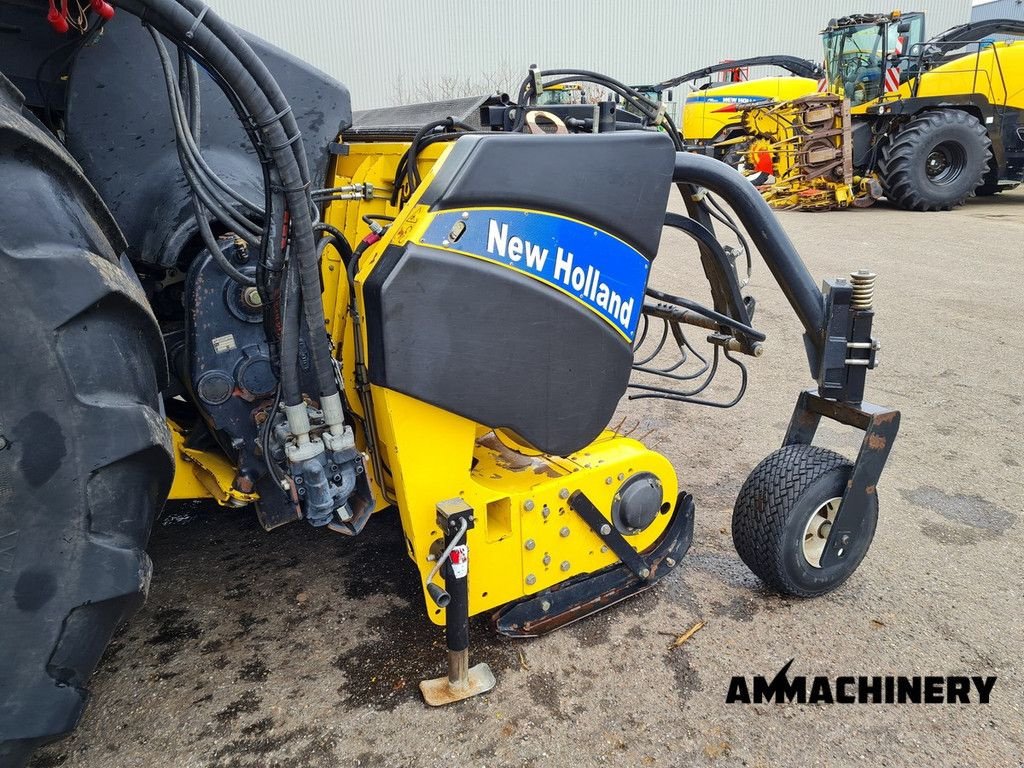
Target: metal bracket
x: 609, y: 534
x: 880, y: 426
x: 577, y: 598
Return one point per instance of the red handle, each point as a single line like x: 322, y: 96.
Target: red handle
x: 103, y: 9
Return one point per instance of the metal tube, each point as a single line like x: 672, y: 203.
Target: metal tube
x: 457, y: 613
x: 770, y: 239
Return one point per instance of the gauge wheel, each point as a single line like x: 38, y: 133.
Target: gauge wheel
x: 936, y: 161
x: 783, y: 516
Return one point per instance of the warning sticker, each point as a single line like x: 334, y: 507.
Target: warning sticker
x: 460, y: 561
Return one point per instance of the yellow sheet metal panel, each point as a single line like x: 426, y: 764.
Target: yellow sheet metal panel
x: 708, y: 112
x: 526, y: 538
x: 996, y: 72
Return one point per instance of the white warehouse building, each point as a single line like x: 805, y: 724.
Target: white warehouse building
x: 398, y: 51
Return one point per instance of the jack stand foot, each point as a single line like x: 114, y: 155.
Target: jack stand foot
x: 460, y: 683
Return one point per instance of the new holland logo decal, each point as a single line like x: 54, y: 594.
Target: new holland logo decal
x: 597, y: 269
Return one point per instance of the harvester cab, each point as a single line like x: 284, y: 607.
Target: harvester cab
x: 863, y: 54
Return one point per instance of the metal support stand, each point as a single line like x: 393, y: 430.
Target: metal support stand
x: 455, y: 518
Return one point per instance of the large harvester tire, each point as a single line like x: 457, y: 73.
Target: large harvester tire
x: 85, y: 456
x: 936, y: 161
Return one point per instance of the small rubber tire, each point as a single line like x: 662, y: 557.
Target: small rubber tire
x: 85, y: 454
x: 953, y: 133
x: 772, y: 511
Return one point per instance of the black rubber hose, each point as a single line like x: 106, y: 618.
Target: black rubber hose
x: 300, y: 206
x: 711, y: 314
x: 193, y: 175
x: 202, y: 224
x: 228, y: 54
x: 767, y: 234
x: 268, y: 271
x: 252, y: 64
x: 704, y: 236
x: 191, y: 87
x: 211, y: 245
x: 336, y: 238
x: 290, y: 324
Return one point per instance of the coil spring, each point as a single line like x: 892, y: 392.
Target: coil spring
x: 863, y: 282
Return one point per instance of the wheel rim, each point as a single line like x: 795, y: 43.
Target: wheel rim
x: 816, y: 531
x: 945, y: 162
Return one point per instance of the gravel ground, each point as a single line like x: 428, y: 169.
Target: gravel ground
x: 302, y: 648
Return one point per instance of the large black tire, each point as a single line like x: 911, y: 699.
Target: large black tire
x: 990, y: 184
x: 774, y: 508
x: 85, y: 456
x: 936, y: 161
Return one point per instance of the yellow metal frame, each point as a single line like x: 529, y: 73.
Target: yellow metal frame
x: 203, y: 474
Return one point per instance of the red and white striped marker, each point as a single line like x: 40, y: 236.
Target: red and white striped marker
x: 892, y: 74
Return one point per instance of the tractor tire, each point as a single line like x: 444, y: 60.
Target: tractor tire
x: 777, y: 523
x: 85, y: 455
x: 936, y: 161
x: 990, y: 184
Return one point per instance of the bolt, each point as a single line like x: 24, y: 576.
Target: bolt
x: 564, y: 493
x: 607, y: 481
x: 3, y: 442
x: 670, y: 562
x: 545, y: 512
x: 565, y: 565
x: 531, y: 579
x: 547, y: 559
x: 530, y: 544
x: 528, y: 505
x: 465, y: 214
x: 445, y: 243
x: 604, y: 550
x: 545, y: 605
x: 622, y: 477
x: 564, y: 533
x: 606, y: 529
x: 645, y: 572
x: 845, y: 539
x: 251, y: 298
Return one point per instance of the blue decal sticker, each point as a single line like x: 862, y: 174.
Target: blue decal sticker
x: 730, y: 99
x: 597, y: 268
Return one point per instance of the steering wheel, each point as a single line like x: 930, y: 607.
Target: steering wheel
x: 852, y: 65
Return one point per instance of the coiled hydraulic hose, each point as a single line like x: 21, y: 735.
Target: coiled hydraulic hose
x: 192, y: 26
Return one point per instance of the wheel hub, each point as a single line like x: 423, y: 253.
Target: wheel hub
x: 944, y: 162
x: 817, y: 529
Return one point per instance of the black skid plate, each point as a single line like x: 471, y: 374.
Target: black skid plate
x: 581, y: 597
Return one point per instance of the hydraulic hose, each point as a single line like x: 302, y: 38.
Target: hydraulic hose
x: 194, y: 26
x: 767, y: 234
x: 290, y: 325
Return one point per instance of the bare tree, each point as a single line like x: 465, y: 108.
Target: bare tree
x: 502, y: 79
